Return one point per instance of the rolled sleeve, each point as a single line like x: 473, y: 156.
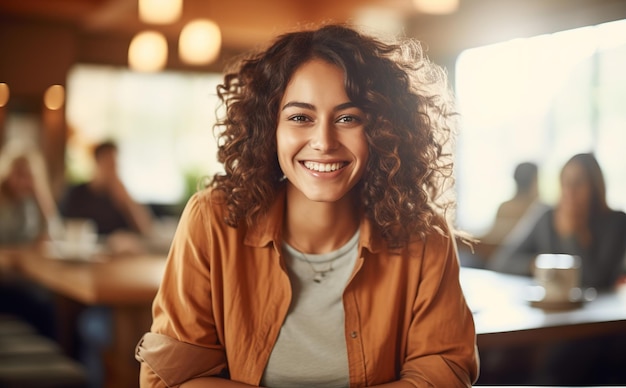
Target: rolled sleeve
x: 186, y: 339
x: 174, y: 362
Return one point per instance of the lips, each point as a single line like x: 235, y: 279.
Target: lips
x: 324, y: 167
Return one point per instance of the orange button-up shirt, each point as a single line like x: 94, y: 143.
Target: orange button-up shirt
x: 226, y: 293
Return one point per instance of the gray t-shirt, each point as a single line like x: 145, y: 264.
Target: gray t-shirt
x: 311, y: 348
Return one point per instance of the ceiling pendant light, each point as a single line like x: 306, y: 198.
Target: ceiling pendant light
x: 54, y: 97
x: 436, y: 7
x: 147, y: 52
x: 160, y: 11
x: 200, y: 42
x: 4, y: 94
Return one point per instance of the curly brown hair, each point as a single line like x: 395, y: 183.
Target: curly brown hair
x: 409, y: 121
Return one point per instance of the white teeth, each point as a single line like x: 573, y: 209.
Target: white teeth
x: 323, y: 167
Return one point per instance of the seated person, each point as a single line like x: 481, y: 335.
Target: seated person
x: 580, y: 224
x: 27, y: 210
x: 523, y: 208
x: 513, y: 210
x: 125, y: 223
x: 105, y: 200
x: 26, y: 202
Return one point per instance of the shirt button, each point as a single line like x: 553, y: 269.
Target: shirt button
x: 353, y: 334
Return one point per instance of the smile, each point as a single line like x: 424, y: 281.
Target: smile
x: 324, y: 167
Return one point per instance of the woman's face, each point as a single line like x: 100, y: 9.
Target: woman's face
x: 320, y: 138
x: 575, y: 187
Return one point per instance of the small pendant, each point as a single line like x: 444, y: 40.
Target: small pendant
x: 318, y: 277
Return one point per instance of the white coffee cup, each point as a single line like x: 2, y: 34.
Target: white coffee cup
x: 80, y: 238
x: 559, y: 276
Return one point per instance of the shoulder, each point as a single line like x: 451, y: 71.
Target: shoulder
x: 440, y: 238
x: 201, y: 220
x: 512, y: 207
x: 207, y: 203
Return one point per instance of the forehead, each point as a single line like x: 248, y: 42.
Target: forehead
x: 574, y: 172
x: 316, y: 77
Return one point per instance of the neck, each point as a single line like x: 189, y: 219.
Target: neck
x: 319, y: 227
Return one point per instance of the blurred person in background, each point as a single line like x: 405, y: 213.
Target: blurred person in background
x: 522, y: 209
x: 125, y: 226
x: 105, y: 200
x: 27, y: 207
x: 512, y: 211
x: 580, y: 224
x: 27, y: 213
x: 322, y: 257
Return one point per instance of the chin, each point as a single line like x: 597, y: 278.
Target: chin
x: 327, y: 197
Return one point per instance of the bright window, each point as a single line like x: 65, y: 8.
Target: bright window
x: 162, y: 123
x: 541, y: 99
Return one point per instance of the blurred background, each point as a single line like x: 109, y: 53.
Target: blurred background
x: 536, y: 80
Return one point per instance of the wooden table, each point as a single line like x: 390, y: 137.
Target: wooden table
x: 126, y: 284
x: 515, y: 339
x: 504, y: 317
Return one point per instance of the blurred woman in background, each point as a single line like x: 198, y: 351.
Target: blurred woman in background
x: 580, y: 224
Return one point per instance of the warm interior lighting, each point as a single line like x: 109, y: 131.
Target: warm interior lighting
x: 437, y: 7
x: 200, y: 42
x: 160, y: 11
x: 4, y: 94
x: 54, y: 98
x: 147, y: 52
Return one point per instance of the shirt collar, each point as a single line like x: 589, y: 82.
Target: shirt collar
x: 268, y: 228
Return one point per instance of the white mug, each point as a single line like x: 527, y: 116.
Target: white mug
x: 80, y: 237
x: 559, y: 276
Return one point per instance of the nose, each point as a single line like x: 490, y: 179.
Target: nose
x: 324, y: 137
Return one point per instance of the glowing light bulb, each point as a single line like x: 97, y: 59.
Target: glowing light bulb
x: 200, y: 42
x: 160, y: 11
x: 54, y: 97
x: 147, y: 52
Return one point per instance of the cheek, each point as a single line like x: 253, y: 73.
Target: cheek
x: 282, y: 142
x: 362, y: 149
x: 286, y: 144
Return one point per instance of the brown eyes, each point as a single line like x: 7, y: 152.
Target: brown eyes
x: 345, y: 119
x: 299, y: 118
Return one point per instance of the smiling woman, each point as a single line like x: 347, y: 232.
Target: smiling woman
x: 321, y: 143
x: 321, y: 257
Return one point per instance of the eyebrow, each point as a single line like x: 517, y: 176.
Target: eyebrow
x: 305, y: 105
